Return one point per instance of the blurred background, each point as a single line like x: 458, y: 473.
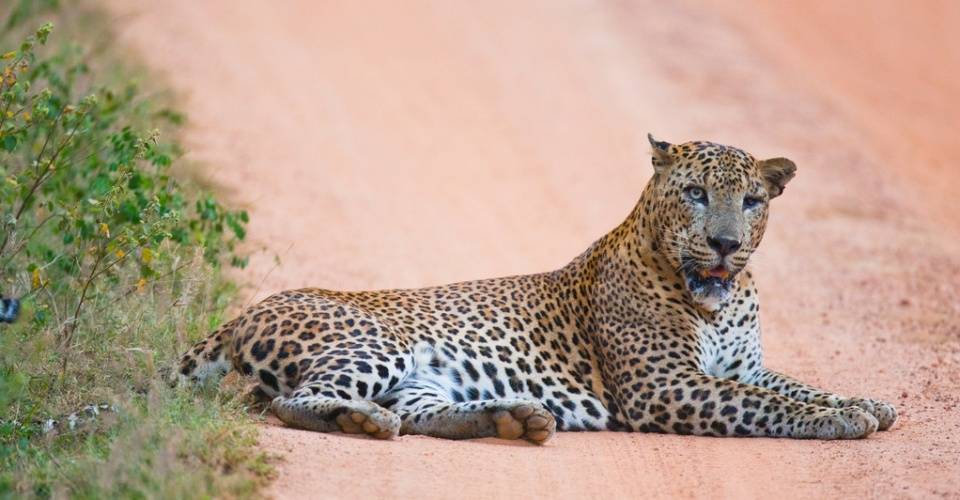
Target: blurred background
x: 451, y: 140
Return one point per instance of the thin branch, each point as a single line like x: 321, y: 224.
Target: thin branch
x: 72, y: 325
x: 39, y: 180
x: 26, y: 240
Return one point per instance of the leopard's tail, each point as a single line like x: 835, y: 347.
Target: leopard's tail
x: 207, y: 359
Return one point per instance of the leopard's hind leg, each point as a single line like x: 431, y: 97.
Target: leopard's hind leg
x: 424, y: 409
x: 317, y: 408
x: 206, y: 361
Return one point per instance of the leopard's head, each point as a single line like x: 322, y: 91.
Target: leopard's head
x: 708, y: 211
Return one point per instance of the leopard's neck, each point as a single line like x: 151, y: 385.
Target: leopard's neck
x: 617, y: 270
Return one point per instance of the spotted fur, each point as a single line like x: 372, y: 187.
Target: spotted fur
x: 654, y: 328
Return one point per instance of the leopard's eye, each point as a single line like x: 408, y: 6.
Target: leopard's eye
x: 696, y: 194
x: 750, y: 202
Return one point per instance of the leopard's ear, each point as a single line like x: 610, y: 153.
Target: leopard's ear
x: 662, y: 158
x: 776, y: 173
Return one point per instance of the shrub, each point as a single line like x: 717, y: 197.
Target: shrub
x: 116, y: 264
x: 86, y: 197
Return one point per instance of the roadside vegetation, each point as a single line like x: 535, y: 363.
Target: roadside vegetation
x: 118, y: 267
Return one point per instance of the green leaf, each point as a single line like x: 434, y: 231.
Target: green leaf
x: 10, y: 143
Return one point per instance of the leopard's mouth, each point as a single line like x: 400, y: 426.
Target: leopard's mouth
x: 708, y: 284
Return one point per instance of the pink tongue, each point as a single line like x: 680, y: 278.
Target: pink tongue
x: 719, y: 272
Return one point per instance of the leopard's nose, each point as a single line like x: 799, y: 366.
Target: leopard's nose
x: 723, y: 246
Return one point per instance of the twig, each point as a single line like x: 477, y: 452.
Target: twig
x: 72, y: 325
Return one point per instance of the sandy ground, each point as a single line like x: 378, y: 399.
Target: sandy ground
x: 403, y: 144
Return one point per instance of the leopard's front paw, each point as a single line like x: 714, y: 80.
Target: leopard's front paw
x: 885, y: 413
x: 842, y: 423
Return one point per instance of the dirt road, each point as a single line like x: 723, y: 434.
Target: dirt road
x: 402, y: 144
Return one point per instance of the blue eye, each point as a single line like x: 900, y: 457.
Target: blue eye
x: 751, y: 202
x: 697, y: 194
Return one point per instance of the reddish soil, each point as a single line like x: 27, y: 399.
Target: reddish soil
x: 403, y: 144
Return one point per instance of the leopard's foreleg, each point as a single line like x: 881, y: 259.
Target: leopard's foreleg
x: 885, y: 413
x: 690, y: 402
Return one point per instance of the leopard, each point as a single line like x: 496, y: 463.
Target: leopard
x: 654, y: 328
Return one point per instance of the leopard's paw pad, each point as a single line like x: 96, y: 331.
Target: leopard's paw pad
x: 526, y: 421
x: 378, y: 423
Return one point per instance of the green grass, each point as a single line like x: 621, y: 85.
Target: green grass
x: 164, y: 442
x: 119, y: 265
